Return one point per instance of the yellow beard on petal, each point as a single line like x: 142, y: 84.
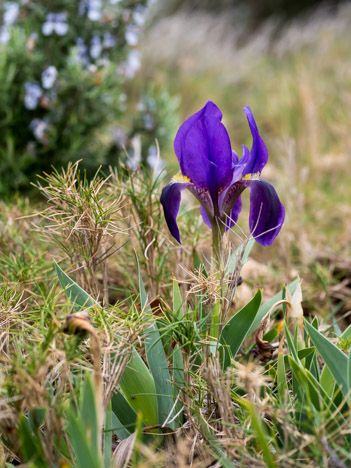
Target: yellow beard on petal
x: 254, y: 176
x: 181, y: 178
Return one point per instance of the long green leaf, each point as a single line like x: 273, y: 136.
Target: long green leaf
x: 178, y: 311
x: 237, y: 328
x: 334, y: 358
x: 281, y: 376
x: 291, y: 344
x: 84, y: 454
x: 108, y: 436
x: 136, y: 383
x: 346, y: 333
x: 178, y: 379
x: 80, y: 299
x: 124, y: 423
x: 327, y: 380
x: 267, y: 305
x: 157, y: 361
x: 309, y: 388
x: 138, y: 387
x: 88, y: 413
x: 260, y: 432
x: 314, y: 388
x: 30, y: 443
x: 240, y: 255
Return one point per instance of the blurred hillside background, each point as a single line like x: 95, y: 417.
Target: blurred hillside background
x: 101, y: 81
x: 291, y: 62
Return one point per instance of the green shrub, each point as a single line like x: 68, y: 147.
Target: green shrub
x: 64, y: 67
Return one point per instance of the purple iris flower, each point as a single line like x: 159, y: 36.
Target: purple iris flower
x: 215, y: 175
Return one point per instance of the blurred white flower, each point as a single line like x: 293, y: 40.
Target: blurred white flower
x: 109, y: 41
x: 135, y: 153
x: 94, y: 10
x: 11, y: 13
x: 149, y: 122
x: 139, y: 15
x: 92, y: 68
x: 4, y: 35
x: 141, y: 106
x: 48, y: 77
x: 119, y: 136
x: 33, y: 93
x: 103, y: 62
x: 55, y: 22
x: 96, y: 47
x: 114, y: 2
x: 133, y: 63
x: 39, y: 127
x: 82, y: 51
x: 132, y: 35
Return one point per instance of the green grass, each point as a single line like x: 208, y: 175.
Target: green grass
x: 94, y: 378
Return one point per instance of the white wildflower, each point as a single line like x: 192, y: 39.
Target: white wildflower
x: 48, y: 77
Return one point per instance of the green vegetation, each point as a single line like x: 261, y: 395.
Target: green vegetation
x: 120, y: 347
x: 65, y: 69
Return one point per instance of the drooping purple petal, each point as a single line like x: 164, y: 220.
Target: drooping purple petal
x: 257, y: 157
x: 234, y: 214
x: 230, y: 219
x: 266, y: 211
x: 205, y: 217
x: 229, y: 197
x: 203, y: 149
x: 170, y: 200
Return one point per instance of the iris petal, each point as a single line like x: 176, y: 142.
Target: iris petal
x: 235, y: 158
x: 266, y: 211
x: 203, y: 149
x: 205, y: 217
x: 170, y: 200
x: 231, y: 219
x: 234, y: 214
x: 256, y: 159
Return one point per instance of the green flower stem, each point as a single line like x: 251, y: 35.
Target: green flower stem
x: 217, y: 250
x: 217, y: 269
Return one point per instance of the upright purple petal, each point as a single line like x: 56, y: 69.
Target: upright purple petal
x: 266, y: 211
x: 235, y: 158
x: 237, y: 172
x: 170, y: 200
x: 203, y: 149
x: 256, y: 159
x: 237, y: 167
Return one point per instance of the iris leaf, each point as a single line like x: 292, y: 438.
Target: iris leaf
x: 136, y: 383
x: 334, y: 358
x: 237, y: 328
x: 157, y: 361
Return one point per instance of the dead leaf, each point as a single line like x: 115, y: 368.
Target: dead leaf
x: 123, y: 452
